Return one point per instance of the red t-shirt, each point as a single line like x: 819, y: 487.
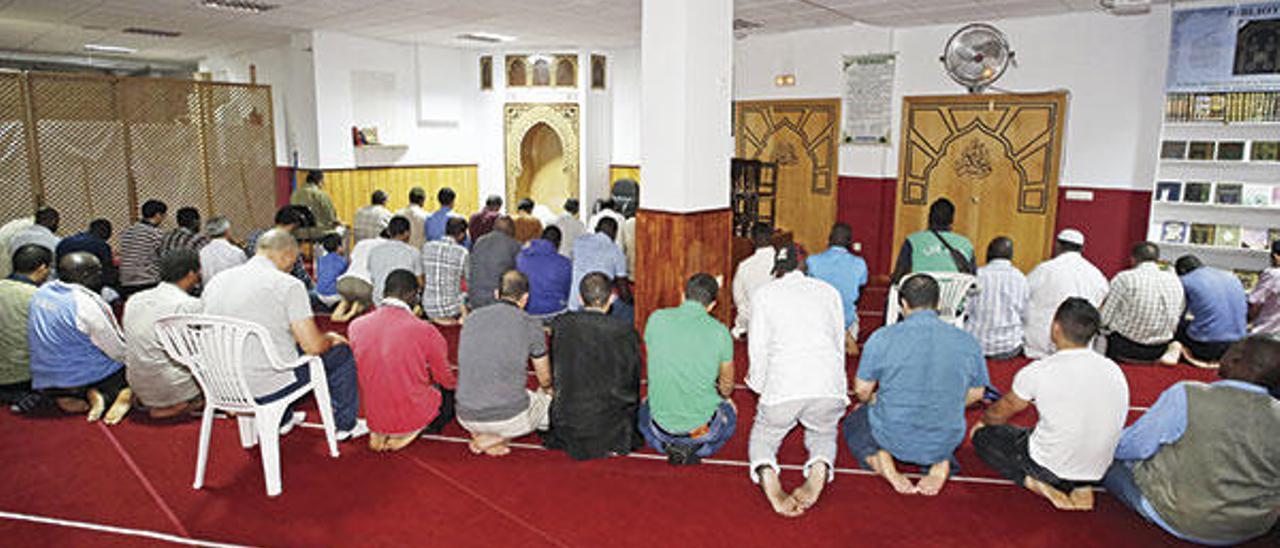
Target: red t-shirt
x: 399, y: 357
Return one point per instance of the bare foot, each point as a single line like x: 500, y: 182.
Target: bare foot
x: 882, y: 463
x: 120, y: 407
x: 97, y: 405
x: 1081, y: 498
x: 377, y: 442
x: 784, y: 505
x: 498, y: 450
x: 481, y: 443
x: 396, y: 443
x: 808, y: 492
x: 931, y: 484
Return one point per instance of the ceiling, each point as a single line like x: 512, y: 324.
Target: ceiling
x: 64, y: 26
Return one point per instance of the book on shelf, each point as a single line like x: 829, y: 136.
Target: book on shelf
x: 1228, y: 193
x: 1210, y: 107
x: 1227, y: 236
x: 1264, y: 151
x: 1254, y: 106
x: 1257, y: 195
x: 1248, y: 278
x: 1252, y: 237
x: 1230, y: 151
x: 1197, y: 192
x: 1173, y: 150
x: 1171, y: 191
x: 1173, y: 232
x: 1201, y: 150
x: 1202, y: 234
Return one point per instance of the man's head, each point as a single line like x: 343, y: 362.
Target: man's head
x: 761, y: 235
x: 48, y: 217
x: 398, y: 228
x: 446, y: 196
x: 1068, y: 241
x: 1275, y: 253
x: 605, y: 204
x: 403, y: 286
x: 596, y: 290
x: 217, y: 227
x: 608, y: 227
x: 315, y: 177
x: 101, y: 228
x: 919, y: 292
x: 505, y: 225
x: 1075, y: 324
x: 942, y: 214
x: 1144, y: 252
x: 331, y: 242
x: 456, y: 228
x: 279, y: 247
x: 552, y: 234
x: 1255, y: 359
x: 841, y: 236
x: 493, y: 202
x: 189, y: 218
x: 153, y: 211
x: 180, y: 267
x: 1187, y: 264
x: 571, y: 206
x: 514, y: 288
x: 702, y: 289
x: 32, y: 261
x: 288, y: 218
x: 82, y: 269
x: 525, y: 206
x: 417, y: 196
x: 378, y: 198
x: 786, y: 260
x: 1000, y: 248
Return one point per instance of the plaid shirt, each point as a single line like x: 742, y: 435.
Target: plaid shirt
x: 1267, y: 295
x: 444, y: 266
x: 180, y: 238
x: 369, y: 221
x: 996, y: 313
x: 1144, y: 305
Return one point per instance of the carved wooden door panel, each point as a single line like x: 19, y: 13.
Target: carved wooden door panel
x: 801, y: 137
x: 995, y: 156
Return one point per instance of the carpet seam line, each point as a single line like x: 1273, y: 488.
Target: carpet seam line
x: 114, y: 529
x: 145, y: 481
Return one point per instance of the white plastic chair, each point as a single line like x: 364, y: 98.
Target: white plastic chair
x: 213, y: 348
x: 955, y: 289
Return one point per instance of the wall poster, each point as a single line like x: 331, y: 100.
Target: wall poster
x: 1225, y: 48
x: 868, y: 98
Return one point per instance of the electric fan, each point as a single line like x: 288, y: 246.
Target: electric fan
x: 976, y: 56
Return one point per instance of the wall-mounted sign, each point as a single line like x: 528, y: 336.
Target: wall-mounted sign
x: 1225, y: 48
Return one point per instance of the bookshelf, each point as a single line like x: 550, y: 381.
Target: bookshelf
x: 1217, y: 188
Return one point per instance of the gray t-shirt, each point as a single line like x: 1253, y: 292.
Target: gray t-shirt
x: 257, y: 292
x: 491, y: 257
x: 493, y: 362
x: 389, y: 257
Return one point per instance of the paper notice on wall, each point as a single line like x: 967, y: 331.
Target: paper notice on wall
x: 868, y: 98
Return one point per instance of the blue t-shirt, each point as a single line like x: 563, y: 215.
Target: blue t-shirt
x: 433, y: 228
x: 1218, y: 303
x: 549, y: 275
x: 328, y: 268
x: 924, y: 368
x: 844, y: 271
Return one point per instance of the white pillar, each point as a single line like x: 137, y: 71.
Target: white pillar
x: 685, y: 100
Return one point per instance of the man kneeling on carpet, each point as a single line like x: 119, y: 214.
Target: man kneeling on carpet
x: 797, y: 348
x: 77, y: 350
x: 1204, y: 462
x: 688, y: 415
x: 915, y: 380
x: 494, y: 349
x: 404, y: 368
x: 164, y: 386
x: 1082, y: 399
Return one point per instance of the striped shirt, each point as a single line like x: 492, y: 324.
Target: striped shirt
x: 1144, y: 304
x: 996, y: 313
x: 140, y: 246
x: 369, y: 221
x: 444, y: 266
x: 182, y: 238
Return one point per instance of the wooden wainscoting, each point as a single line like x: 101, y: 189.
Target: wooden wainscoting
x: 351, y: 188
x: 674, y: 246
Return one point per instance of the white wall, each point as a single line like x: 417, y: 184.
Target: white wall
x: 623, y: 83
x: 1113, y: 68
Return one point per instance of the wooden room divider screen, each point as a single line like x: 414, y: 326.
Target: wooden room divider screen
x: 97, y: 146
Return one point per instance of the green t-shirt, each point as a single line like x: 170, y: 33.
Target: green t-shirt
x: 15, y: 362
x: 929, y: 255
x: 685, y: 346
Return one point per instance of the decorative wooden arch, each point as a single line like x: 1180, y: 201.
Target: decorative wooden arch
x: 519, y: 118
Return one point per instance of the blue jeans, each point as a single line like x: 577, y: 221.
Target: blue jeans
x: 862, y: 443
x: 720, y: 430
x: 344, y: 388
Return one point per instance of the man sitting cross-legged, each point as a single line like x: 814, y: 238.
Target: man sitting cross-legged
x: 165, y: 387
x: 31, y: 267
x: 77, y: 350
x: 688, y: 415
x: 494, y: 350
x: 797, y: 348
x: 915, y: 380
x: 404, y: 368
x: 597, y: 377
x: 1082, y: 400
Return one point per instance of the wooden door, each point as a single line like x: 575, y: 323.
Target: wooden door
x: 995, y: 156
x: 801, y: 136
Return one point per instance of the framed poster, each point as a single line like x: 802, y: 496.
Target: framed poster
x: 867, y: 99
x: 1225, y: 48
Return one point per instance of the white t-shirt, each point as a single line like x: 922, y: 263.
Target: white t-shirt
x: 1082, y: 399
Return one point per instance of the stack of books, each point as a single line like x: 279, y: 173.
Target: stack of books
x: 1222, y: 151
x: 1220, y: 193
x: 1258, y: 106
x: 1232, y: 236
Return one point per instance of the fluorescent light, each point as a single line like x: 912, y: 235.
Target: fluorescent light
x: 487, y: 37
x: 247, y: 6
x: 100, y: 48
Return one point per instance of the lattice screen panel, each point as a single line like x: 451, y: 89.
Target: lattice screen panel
x: 238, y: 137
x: 16, y: 196
x: 81, y: 148
x: 165, y: 122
